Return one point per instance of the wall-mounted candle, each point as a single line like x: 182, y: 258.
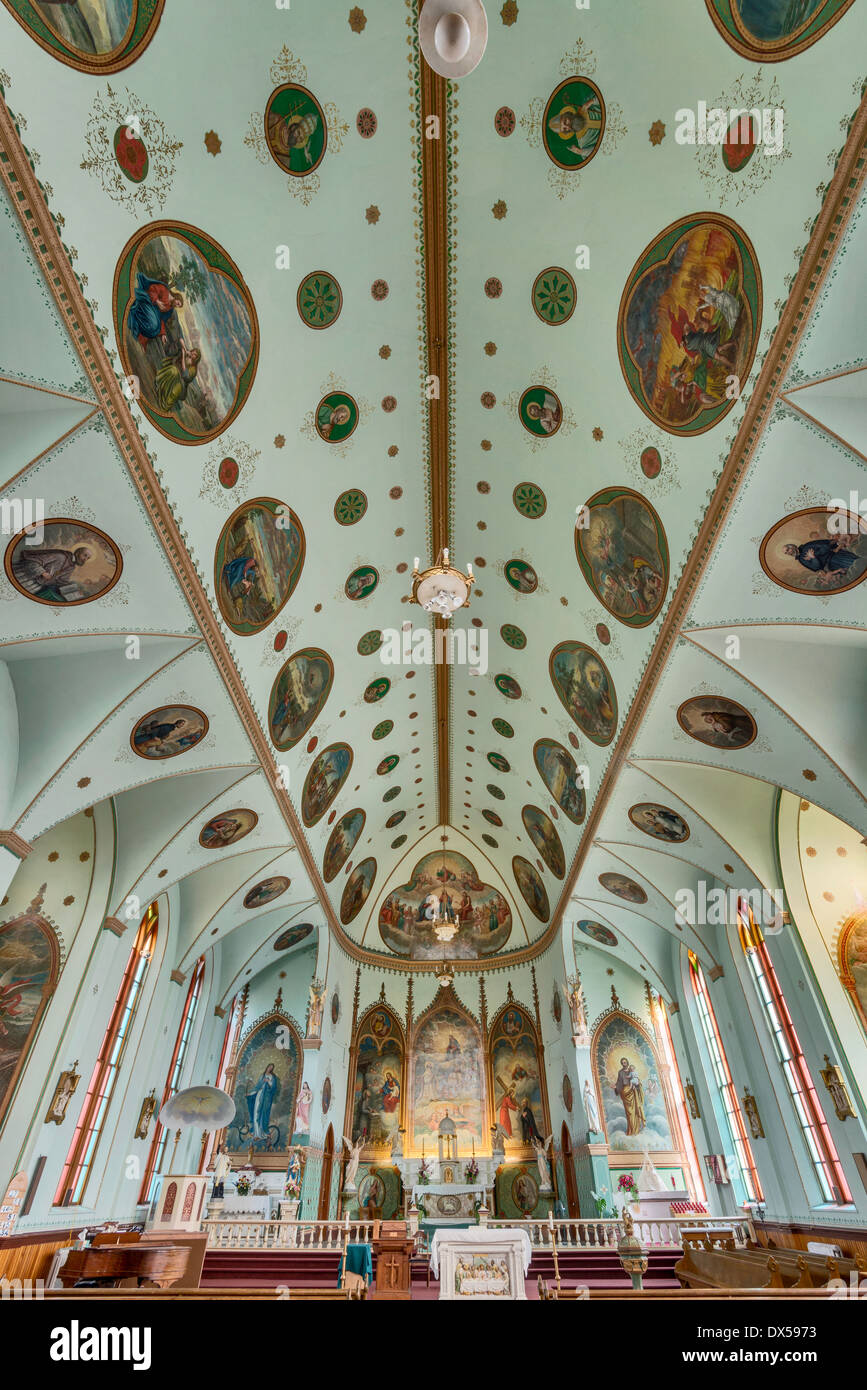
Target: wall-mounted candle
x: 445, y: 557
x: 415, y: 563
x: 470, y: 571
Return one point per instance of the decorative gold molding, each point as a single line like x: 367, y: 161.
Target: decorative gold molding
x: 114, y: 924
x: 11, y: 840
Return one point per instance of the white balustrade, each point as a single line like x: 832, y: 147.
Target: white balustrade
x: 244, y: 1233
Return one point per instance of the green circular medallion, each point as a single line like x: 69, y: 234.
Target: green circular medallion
x: 350, y: 507
x: 320, y: 299
x: 554, y: 295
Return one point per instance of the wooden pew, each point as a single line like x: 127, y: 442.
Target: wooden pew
x: 797, y: 1268
x: 174, y: 1294
x: 714, y: 1269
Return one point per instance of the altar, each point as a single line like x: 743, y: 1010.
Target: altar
x: 481, y: 1263
x: 447, y: 1203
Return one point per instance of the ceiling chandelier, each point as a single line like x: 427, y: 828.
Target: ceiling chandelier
x: 441, y: 588
x: 445, y: 976
x: 438, y: 909
x: 453, y: 35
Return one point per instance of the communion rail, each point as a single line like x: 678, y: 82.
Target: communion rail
x: 246, y: 1233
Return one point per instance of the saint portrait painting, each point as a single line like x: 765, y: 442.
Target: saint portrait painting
x: 585, y: 689
x: 228, y: 827
x: 29, y: 965
x: 341, y: 843
x: 540, y: 829
x: 298, y: 696
x: 168, y: 731
x: 816, y: 551
x: 257, y: 563
x: 264, y: 1090
x: 356, y: 890
x: 377, y: 1093
x: 717, y: 721
x: 68, y: 563
x: 623, y: 555
x: 559, y: 772
x: 328, y: 771
x: 96, y: 36
x: 628, y: 1082
x: 532, y: 888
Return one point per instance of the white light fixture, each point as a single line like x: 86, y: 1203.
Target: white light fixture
x: 453, y: 35
x: 445, y: 975
x: 441, y: 588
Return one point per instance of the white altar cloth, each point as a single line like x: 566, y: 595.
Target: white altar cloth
x: 480, y: 1235
x: 445, y: 1189
x: 233, y: 1205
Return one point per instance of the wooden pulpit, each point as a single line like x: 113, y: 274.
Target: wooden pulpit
x: 393, y: 1249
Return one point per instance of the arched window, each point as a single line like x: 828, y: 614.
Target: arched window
x: 185, y: 1028
x: 734, y: 1120
x: 799, y: 1083
x: 79, y: 1160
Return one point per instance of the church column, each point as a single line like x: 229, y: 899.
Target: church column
x: 13, y: 850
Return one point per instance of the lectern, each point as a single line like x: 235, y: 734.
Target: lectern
x: 393, y: 1249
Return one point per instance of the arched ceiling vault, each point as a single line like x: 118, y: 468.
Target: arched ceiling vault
x: 421, y: 361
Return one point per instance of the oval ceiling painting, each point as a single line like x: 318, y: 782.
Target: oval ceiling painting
x: 356, y: 890
x: 689, y: 321
x: 395, y: 819
x: 586, y: 690
x: 540, y: 411
x: 660, y: 822
x: 336, y: 417
x: 295, y: 130
x: 361, y: 582
x: 623, y: 555
x: 257, y: 563
x: 521, y: 576
x: 341, y: 843
x: 94, y: 36
x: 227, y: 828
x: 540, y: 829
x: 532, y: 888
x: 450, y: 880
x: 298, y: 695
x: 266, y: 891
x: 770, y: 30
x: 68, y: 563
x: 186, y: 330
x: 573, y: 123
x: 168, y: 731
x: 623, y: 887
x: 327, y: 773
x: 292, y: 935
x: 561, y: 776
x: 717, y: 721
x: 816, y: 551
x: 603, y: 936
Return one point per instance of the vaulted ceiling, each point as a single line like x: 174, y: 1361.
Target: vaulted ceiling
x: 371, y: 310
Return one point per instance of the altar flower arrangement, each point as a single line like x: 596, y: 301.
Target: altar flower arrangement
x: 423, y: 1173
x: 244, y: 1183
x: 626, y: 1185
x: 471, y: 1172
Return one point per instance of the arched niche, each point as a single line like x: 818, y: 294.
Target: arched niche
x: 632, y: 1100
x: 852, y: 962
x: 516, y: 1077
x: 29, y: 970
x: 375, y: 1102
x: 447, y: 1072
x: 265, y: 1080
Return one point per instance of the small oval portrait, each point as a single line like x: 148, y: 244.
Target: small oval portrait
x: 603, y: 936
x: 816, y: 551
x: 496, y: 792
x: 326, y: 1095
x: 521, y: 576
x: 585, y: 689
x: 499, y: 762
x: 395, y: 819
x: 168, y: 731
x: 554, y: 295
x: 327, y: 773
x: 573, y: 123
x: 540, y: 829
x: 561, y: 776
x: 341, y: 843
x: 62, y: 562
x: 508, y: 686
x: 336, y: 417
x: 689, y: 321
x: 292, y: 935
x: 227, y: 828
x: 266, y: 891
x: 335, y: 1007
x: 660, y: 822
x: 717, y: 721
x: 540, y: 411
x: 567, y: 1094
x: 298, y: 696
x: 391, y: 794
x: 377, y: 690
x: 361, y: 583
x: 95, y: 36
x: 623, y: 887
x: 491, y: 817
x: 532, y: 888
x: 623, y: 555
x: 556, y: 1005
x: 503, y: 728
x: 525, y: 1192
x: 387, y: 765
x: 356, y: 890
x: 186, y: 330
x: 371, y: 1192
x: 398, y: 841
x: 295, y: 130
x: 369, y: 642
x: 257, y: 563
x: 770, y: 30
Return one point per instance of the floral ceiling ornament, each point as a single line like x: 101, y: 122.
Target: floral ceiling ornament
x: 735, y: 170
x: 286, y: 67
x: 217, y: 472
x: 130, y: 151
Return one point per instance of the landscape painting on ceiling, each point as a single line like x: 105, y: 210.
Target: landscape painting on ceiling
x: 298, y: 695
x: 623, y: 555
x: 378, y: 1087
x: 328, y: 771
x: 481, y: 912
x: 541, y: 831
x: 447, y: 1075
x: 561, y: 776
x: 689, y: 320
x: 91, y: 35
x: 186, y: 330
x: 529, y: 881
x: 585, y: 689
x: 356, y: 890
x: 68, y: 563
x: 807, y: 553
x: 341, y: 843
x: 257, y: 563
x: 629, y: 1087
x: 770, y: 30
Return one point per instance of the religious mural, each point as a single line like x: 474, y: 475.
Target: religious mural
x: 521, y: 576
x: 532, y: 888
x: 603, y: 936
x: 377, y: 1090
x: 292, y: 935
x: 623, y: 555
x: 29, y: 966
x: 559, y: 772
x: 517, y: 1081
x: 69, y: 563
x: 298, y: 696
x: 186, y: 330
x: 447, y: 1075
x: 341, y: 842
x: 327, y: 773
x: 295, y: 130
x: 94, y: 36
x: 689, y: 320
x: 623, y: 887
x: 481, y: 912
x: 540, y: 829
x: 336, y: 417
x: 168, y: 731
x: 717, y: 721
x: 540, y: 411
x: 227, y: 828
x: 805, y: 554
x: 852, y: 962
x: 573, y: 123
x: 770, y: 30
x: 361, y: 583
x: 356, y: 890
x: 264, y: 1089
x: 628, y: 1084
x: 266, y: 891
x: 585, y: 689
x: 257, y: 563
x: 660, y: 822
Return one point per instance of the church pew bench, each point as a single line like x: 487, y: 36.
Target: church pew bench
x: 713, y: 1269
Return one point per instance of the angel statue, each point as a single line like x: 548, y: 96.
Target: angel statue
x: 352, y: 1163
x: 542, y: 1163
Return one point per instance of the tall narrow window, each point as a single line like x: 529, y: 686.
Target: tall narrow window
x: 734, y: 1120
x: 230, y: 1041
x: 662, y: 1028
x: 79, y: 1160
x: 799, y: 1083
x: 185, y: 1028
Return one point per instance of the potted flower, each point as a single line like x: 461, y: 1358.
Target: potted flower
x: 423, y: 1174
x: 471, y: 1172
x: 627, y: 1187
x: 244, y: 1183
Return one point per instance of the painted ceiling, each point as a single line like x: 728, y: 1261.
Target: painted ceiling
x: 270, y: 331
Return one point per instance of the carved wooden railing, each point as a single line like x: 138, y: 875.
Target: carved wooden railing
x: 257, y: 1233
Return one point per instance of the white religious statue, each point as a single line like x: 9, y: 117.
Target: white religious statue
x: 649, y: 1180
x: 352, y: 1163
x: 397, y: 1143
x: 222, y: 1169
x: 593, y: 1126
x: 498, y: 1142
x: 576, y: 1006
x: 542, y: 1163
x: 315, y: 1008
